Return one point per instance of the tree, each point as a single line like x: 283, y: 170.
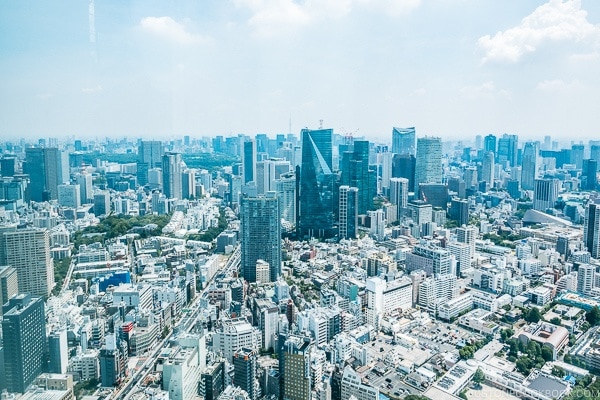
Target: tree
x: 479, y: 377
x: 466, y: 352
x: 593, y: 316
x: 507, y: 333
x: 558, y: 371
x: 547, y: 354
x: 533, y: 315
x: 556, y: 321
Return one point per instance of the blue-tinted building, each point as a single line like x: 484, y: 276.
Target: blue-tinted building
x: 317, y: 197
x: 403, y: 140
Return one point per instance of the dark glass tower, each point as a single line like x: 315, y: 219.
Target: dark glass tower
x: 591, y: 229
x: 317, y: 197
x: 403, y: 166
x: 150, y: 153
x: 171, y: 171
x: 24, y: 332
x: 45, y: 169
x: 244, y: 369
x: 355, y: 173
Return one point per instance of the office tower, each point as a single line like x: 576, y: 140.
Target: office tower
x: 399, y: 192
x: 102, y: 203
x: 385, y: 160
x: 8, y: 165
x: 420, y: 212
x: 489, y: 144
x: 150, y: 155
x: 530, y: 165
x: 403, y: 140
x: 467, y: 234
x: 317, y: 199
x: 470, y: 177
x: 577, y: 151
x: 244, y: 372
x: 113, y: 361
x: 260, y: 230
x: 459, y: 211
x: 355, y: 173
x: 348, y: 212
x: 591, y: 229
x: 487, y: 168
x: 508, y: 149
x: 58, y: 352
x: 547, y: 142
x: 286, y: 192
x: 545, y: 193
x: 588, y: 174
x: 457, y: 187
x: 9, y: 285
x: 595, y: 151
x: 585, y: 278
x: 403, y: 166
x: 431, y: 259
x: 69, y: 196
x: 171, y: 173
x: 28, y: 251
x: 462, y: 255
x: 562, y: 245
x: 267, y: 172
x: 24, y: 333
x: 294, y: 368
x: 45, y: 169
x: 512, y: 187
x: 435, y: 194
x: 212, y: 381
x: 428, y: 167
x: 249, y: 162
x: 188, y: 184
x: 182, y: 368
x: 86, y: 194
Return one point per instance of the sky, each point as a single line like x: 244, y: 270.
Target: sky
x: 164, y: 69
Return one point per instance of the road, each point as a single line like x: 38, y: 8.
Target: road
x: 185, y: 324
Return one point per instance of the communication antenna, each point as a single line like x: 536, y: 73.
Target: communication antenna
x: 320, y: 124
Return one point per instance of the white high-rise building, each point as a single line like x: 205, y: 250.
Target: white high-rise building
x: 348, y: 212
x: 28, y: 251
x: 69, y: 195
x: 399, y: 192
x: 285, y: 187
x: 487, y: 168
x: 585, y: 278
x: 353, y: 388
x: 377, y: 223
x: 234, y: 334
x: 545, y: 193
x: 468, y: 235
x: 182, y: 369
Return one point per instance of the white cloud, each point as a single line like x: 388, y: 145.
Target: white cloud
x: 555, y: 21
x: 270, y: 17
x: 168, y: 29
x: 486, y: 90
x: 94, y: 89
x: 558, y: 85
x: 585, y: 57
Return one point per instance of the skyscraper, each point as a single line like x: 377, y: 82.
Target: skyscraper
x: 487, y: 168
x: 589, y: 174
x: 249, y: 162
x: 467, y: 234
x: 429, y: 161
x: 591, y: 229
x: 348, y: 212
x: 507, y: 150
x: 317, y: 200
x: 171, y: 171
x: 294, y: 368
x: 403, y: 166
x: 399, y: 192
x: 244, y: 370
x: 530, y: 165
x: 46, y: 171
x: 9, y: 285
x: 355, y: 173
x: 489, y: 143
x: 24, y: 332
x: 286, y: 191
x: 577, y: 151
x: 150, y: 154
x: 260, y: 228
x: 28, y: 251
x: 403, y: 140
x: 545, y: 193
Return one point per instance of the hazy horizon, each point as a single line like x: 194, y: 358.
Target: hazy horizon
x: 453, y: 69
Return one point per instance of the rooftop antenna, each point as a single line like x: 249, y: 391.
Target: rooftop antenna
x: 320, y: 124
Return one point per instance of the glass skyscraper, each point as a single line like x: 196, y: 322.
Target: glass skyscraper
x: 403, y: 140
x: 429, y: 161
x: 317, y: 211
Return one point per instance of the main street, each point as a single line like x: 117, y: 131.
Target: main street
x: 184, y: 324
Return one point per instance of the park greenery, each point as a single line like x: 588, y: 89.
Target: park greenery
x: 61, y: 268
x: 528, y: 356
x: 118, y: 225
x: 469, y: 350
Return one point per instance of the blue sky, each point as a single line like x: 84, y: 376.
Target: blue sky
x: 163, y: 69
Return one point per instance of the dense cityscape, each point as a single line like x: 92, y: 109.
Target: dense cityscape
x: 316, y: 266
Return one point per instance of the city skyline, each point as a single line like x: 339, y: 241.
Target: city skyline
x: 451, y: 69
